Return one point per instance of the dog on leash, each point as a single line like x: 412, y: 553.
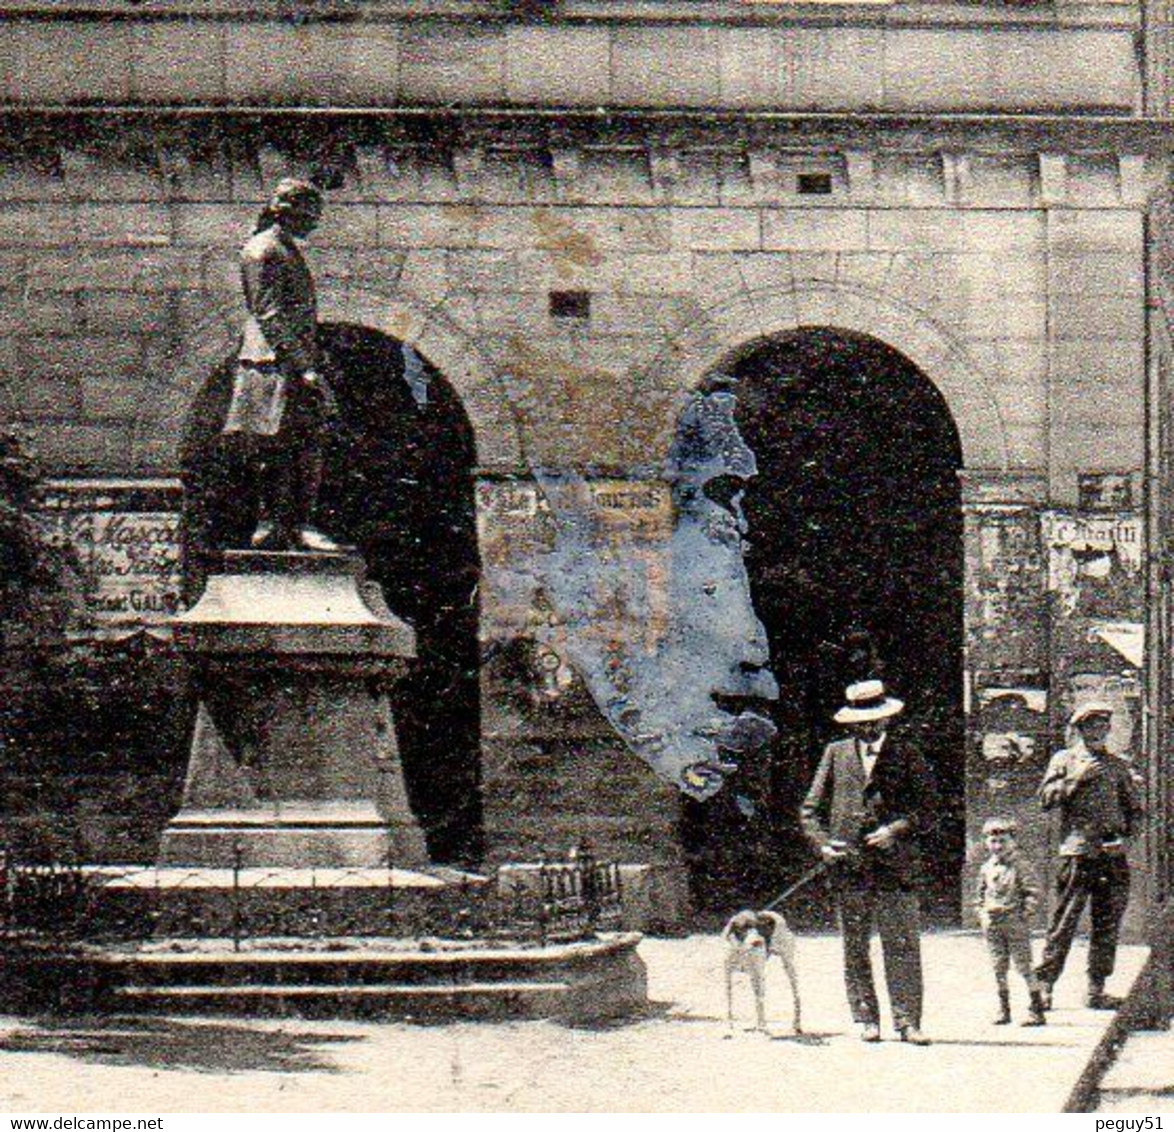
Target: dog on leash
x: 751, y: 938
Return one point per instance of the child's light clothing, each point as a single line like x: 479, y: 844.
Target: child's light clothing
x: 1007, y: 894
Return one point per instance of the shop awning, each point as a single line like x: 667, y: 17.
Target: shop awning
x: 1124, y: 637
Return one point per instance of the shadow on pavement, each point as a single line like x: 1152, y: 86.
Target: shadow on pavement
x: 1137, y: 1093
x: 1002, y: 1044
x: 166, y: 1044
x: 651, y: 1012
x: 805, y: 1039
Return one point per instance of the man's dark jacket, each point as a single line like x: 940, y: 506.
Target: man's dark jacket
x: 842, y: 806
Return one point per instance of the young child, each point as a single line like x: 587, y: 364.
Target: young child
x: 1007, y: 894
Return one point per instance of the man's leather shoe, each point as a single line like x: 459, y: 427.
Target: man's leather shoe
x: 1045, y: 996
x: 870, y: 1032
x: 1099, y: 1000
x: 913, y: 1036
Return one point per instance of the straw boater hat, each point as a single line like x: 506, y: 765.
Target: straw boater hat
x: 1086, y: 711
x: 867, y: 700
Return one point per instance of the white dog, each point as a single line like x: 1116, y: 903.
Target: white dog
x: 751, y: 938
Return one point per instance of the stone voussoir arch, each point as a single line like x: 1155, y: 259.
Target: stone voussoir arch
x: 423, y: 326
x: 732, y: 328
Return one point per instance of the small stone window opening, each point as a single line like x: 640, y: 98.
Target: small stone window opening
x: 570, y: 304
x: 814, y: 184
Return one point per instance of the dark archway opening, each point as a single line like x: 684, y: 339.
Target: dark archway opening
x: 398, y: 486
x: 856, y: 568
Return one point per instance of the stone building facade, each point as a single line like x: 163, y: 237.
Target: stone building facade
x: 577, y: 216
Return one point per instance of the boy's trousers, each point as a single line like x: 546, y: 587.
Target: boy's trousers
x: 1008, y: 939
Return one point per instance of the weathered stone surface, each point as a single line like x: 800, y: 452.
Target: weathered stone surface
x: 575, y: 63
x: 1014, y: 279
x: 464, y: 64
x: 294, y: 760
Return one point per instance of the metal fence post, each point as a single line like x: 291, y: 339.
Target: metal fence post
x: 238, y: 853
x: 316, y: 914
x: 391, y: 925
x: 586, y: 859
x: 543, y: 897
x: 8, y: 879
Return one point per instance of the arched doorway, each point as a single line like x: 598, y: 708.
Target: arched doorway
x: 855, y: 564
x: 399, y: 486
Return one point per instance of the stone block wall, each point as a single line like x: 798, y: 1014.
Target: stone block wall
x: 873, y: 56
x: 120, y: 291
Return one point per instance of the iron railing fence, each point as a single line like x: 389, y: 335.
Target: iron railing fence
x: 68, y: 903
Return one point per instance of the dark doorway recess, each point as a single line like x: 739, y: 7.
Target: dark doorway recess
x: 399, y: 486
x: 856, y: 569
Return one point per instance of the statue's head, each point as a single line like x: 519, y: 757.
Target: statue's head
x: 295, y: 204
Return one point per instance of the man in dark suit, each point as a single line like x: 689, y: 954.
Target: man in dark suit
x: 869, y: 798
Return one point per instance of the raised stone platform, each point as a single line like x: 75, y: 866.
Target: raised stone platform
x: 325, y: 834
x: 395, y: 979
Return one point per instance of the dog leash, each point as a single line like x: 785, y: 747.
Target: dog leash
x: 822, y: 867
x: 805, y: 879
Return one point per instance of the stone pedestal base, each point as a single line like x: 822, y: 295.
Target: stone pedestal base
x: 543, y: 798
x: 331, y: 836
x: 295, y: 762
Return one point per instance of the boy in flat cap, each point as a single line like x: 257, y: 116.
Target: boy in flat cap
x: 1099, y: 808
x: 1007, y: 893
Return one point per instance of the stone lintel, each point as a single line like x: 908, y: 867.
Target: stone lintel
x: 368, y: 155
x: 955, y: 177
x: 763, y: 167
x: 1134, y: 179
x: 664, y: 168
x: 861, y: 168
x: 1000, y: 486
x: 467, y: 163
x: 566, y: 162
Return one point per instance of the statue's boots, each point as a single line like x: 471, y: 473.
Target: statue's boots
x: 1036, y: 1015
x: 296, y: 477
x: 311, y: 539
x: 271, y: 536
x: 276, y: 536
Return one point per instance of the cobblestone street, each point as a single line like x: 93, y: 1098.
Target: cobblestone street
x: 676, y: 1059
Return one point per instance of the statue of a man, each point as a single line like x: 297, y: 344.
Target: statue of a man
x: 282, y: 402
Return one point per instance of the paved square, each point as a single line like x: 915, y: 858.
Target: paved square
x: 677, y: 1059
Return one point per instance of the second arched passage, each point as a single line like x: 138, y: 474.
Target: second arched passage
x: 855, y: 567
x: 971, y: 390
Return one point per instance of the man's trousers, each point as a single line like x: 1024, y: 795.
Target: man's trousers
x: 895, y: 914
x: 1102, y: 882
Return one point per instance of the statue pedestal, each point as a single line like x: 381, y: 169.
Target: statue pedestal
x: 294, y: 760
